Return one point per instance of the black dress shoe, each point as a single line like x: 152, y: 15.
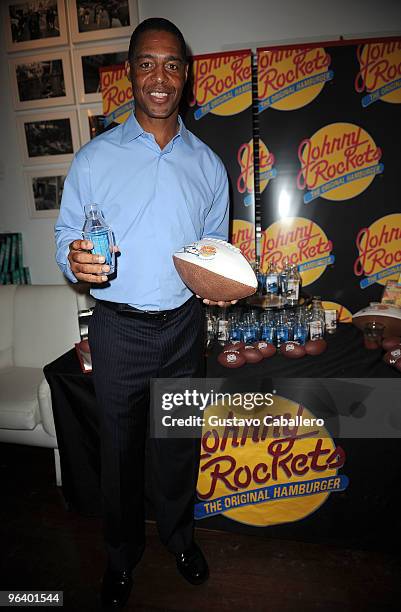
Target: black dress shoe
x: 116, y: 588
x: 192, y: 565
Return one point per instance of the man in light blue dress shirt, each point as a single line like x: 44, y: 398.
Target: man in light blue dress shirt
x: 159, y: 188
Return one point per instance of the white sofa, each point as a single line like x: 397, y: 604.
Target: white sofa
x: 38, y: 323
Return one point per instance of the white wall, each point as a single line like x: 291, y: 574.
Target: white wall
x: 208, y: 25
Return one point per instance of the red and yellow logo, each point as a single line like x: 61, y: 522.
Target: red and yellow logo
x: 116, y: 94
x: 291, y: 78
x: 243, y: 237
x: 379, y: 248
x: 262, y: 473
x: 343, y: 314
x: 338, y: 162
x: 380, y: 72
x: 303, y: 242
x: 222, y: 83
x: 245, y: 158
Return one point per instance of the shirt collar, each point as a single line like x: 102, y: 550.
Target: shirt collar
x: 131, y: 129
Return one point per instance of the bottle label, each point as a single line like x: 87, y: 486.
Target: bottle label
x: 300, y: 334
x: 330, y: 317
x: 271, y: 284
x: 282, y: 335
x: 293, y: 289
x: 222, y: 334
x: 101, y: 244
x: 268, y: 333
x: 249, y: 335
x: 315, y: 330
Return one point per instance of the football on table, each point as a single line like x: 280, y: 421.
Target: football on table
x: 231, y: 359
x: 215, y: 270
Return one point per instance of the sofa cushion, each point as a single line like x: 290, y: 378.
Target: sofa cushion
x: 19, y: 406
x: 45, y: 324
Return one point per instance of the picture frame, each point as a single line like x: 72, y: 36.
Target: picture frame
x: 90, y: 21
x: 87, y: 62
x: 44, y: 189
x: 47, y: 138
x: 27, y: 28
x: 90, y: 122
x: 41, y: 80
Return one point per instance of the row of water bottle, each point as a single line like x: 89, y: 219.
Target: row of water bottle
x: 299, y: 324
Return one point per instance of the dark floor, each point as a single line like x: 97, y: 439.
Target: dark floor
x: 44, y: 547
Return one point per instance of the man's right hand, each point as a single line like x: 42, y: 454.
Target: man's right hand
x: 85, y: 266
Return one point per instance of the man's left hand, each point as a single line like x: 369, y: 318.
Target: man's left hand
x: 220, y: 303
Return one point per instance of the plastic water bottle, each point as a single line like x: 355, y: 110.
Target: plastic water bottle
x: 316, y: 319
x: 300, y: 329
x: 267, y: 328
x: 283, y: 277
x: 100, y: 234
x: 261, y: 278
x: 293, y: 284
x: 272, y: 279
x: 222, y: 327
x: 282, y: 330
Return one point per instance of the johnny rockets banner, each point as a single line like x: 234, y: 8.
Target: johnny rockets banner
x: 219, y: 112
x: 330, y: 119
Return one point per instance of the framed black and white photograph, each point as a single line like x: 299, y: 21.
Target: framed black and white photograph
x: 101, y: 19
x: 92, y: 122
x: 48, y: 137
x: 44, y: 189
x: 87, y: 63
x: 34, y: 24
x: 40, y: 81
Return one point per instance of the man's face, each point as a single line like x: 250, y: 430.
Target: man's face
x: 158, y: 73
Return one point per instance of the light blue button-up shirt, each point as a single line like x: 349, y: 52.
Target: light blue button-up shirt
x: 156, y: 201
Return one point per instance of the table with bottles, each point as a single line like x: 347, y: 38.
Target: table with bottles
x: 277, y: 313
x: 280, y: 312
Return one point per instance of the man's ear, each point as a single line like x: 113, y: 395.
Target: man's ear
x: 186, y: 71
x: 128, y: 70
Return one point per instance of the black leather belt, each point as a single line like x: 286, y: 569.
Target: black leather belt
x: 126, y: 309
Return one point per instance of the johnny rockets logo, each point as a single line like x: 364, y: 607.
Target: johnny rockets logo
x: 380, y: 72
x: 303, y: 242
x: 245, y: 181
x: 243, y: 237
x: 265, y: 474
x: 379, y: 248
x: 338, y: 162
x: 116, y: 94
x: 222, y: 83
x: 291, y: 78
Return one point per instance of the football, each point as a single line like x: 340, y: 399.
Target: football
x: 236, y: 345
x: 389, y: 316
x: 251, y: 354
x: 267, y: 349
x: 315, y: 347
x: 392, y: 357
x: 391, y: 343
x: 215, y: 270
x: 292, y: 350
x: 231, y: 359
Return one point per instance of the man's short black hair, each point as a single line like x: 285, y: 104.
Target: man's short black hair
x: 159, y: 25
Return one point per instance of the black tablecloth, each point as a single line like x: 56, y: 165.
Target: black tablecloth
x: 365, y: 514
x: 75, y: 417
